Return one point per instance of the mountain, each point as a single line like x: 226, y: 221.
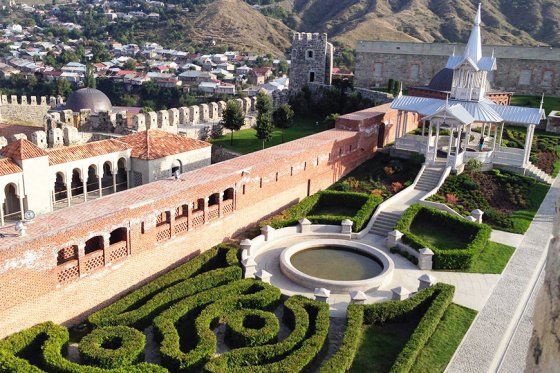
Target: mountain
x: 521, y: 22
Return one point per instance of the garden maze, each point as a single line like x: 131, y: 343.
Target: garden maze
x: 204, y: 316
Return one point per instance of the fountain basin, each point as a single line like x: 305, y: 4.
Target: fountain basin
x: 336, y: 264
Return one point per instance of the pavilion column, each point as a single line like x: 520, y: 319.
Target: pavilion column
x: 450, y: 143
x: 437, y: 142
x: 398, y: 129
x: 495, y: 137
x: 500, y: 136
x: 458, y: 141
x: 429, y: 139
x: 423, y: 127
x: 528, y: 143
x: 404, y: 127
x: 468, y: 136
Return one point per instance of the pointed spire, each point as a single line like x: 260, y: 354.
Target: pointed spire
x: 542, y: 102
x: 474, y: 46
x: 453, y: 51
x: 400, y: 89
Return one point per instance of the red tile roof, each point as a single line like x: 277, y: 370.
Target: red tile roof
x: 8, y: 130
x: 22, y: 149
x: 78, y: 152
x: 154, y: 144
x: 7, y: 167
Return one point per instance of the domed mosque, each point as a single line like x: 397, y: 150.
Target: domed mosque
x: 88, y: 99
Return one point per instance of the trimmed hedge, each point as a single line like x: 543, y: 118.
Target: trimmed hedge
x: 477, y: 234
x: 47, y: 341
x: 112, y: 347
x: 207, y: 309
x: 251, y: 328
x: 365, y: 205
x: 435, y: 300
x: 212, y: 268
x: 309, y: 321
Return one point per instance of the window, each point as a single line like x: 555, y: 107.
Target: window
x: 414, y: 72
x: 547, y: 78
x: 309, y: 55
x: 525, y: 77
x: 378, y: 70
x: 311, y: 76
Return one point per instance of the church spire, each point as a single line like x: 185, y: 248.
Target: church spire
x: 474, y: 46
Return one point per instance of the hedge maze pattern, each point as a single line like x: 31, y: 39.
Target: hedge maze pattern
x: 184, y: 307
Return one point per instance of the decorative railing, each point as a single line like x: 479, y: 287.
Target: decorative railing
x: 92, y: 261
x: 197, y: 219
x: 509, y: 157
x: 163, y: 232
x: 181, y: 224
x: 117, y: 251
x: 213, y: 212
x: 227, y: 206
x: 68, y: 272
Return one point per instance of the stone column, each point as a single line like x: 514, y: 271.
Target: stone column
x: 437, y: 142
x: 398, y: 129
x: 528, y: 144
x: 106, y: 244
x: 84, y: 183
x: 206, y: 199
x: 68, y: 191
x: 21, y: 205
x: 405, y: 126
x: 429, y: 140
x: 171, y: 222
x: 99, y: 178
x: 2, y: 212
x: 81, y: 254
x: 220, y: 200
x: 501, y: 135
x: 425, y: 260
x: 190, y: 207
x: 114, y: 181
x: 450, y: 145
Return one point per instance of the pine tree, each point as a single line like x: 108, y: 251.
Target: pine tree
x: 233, y: 118
x: 283, y: 117
x: 264, y: 125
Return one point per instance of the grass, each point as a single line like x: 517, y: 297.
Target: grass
x: 380, y: 346
x: 435, y: 237
x: 245, y: 141
x: 550, y: 103
x: 522, y: 218
x: 442, y: 344
x: 493, y: 259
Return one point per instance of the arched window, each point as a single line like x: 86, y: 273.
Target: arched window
x: 214, y: 199
x: 118, y: 235
x: 228, y: 194
x: 92, y: 179
x: 107, y: 179
x: 311, y: 76
x: 309, y: 54
x: 199, y: 205
x: 122, y: 176
x: 67, y: 254
x: 60, y: 192
x: 177, y: 166
x: 12, y: 208
x: 76, y: 185
x: 94, y: 244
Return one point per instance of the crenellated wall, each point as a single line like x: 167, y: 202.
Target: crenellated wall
x: 25, y: 109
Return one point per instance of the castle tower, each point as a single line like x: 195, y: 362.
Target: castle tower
x: 311, y: 60
x: 470, y: 71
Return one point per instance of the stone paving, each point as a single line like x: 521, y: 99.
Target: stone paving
x: 487, y: 340
x: 472, y: 289
x: 506, y: 238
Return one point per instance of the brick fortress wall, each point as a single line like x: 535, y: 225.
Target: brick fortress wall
x: 203, y: 208
x: 523, y: 70
x: 26, y: 110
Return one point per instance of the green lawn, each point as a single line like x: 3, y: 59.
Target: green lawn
x: 550, y: 103
x: 245, y: 141
x: 435, y: 237
x: 493, y: 259
x: 522, y: 218
x: 442, y: 344
x: 380, y: 346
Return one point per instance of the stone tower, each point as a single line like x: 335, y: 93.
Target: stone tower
x: 311, y: 60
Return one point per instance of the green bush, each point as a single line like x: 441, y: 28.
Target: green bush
x: 45, y: 342
x: 309, y: 321
x: 364, y: 204
x: 213, y: 268
x: 112, y: 347
x: 251, y: 328
x: 433, y: 302
x: 207, y: 309
x: 477, y: 235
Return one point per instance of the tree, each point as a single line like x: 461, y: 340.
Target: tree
x: 232, y: 118
x: 63, y: 87
x: 90, y: 78
x: 283, y: 118
x: 264, y: 125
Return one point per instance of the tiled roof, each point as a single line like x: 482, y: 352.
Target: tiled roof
x: 22, y: 149
x: 77, y: 152
x: 154, y: 144
x: 7, y: 167
x: 8, y: 130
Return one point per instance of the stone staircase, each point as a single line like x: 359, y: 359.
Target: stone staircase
x: 535, y: 172
x: 385, y: 223
x: 429, y: 178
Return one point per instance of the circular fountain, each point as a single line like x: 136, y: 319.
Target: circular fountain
x: 338, y: 265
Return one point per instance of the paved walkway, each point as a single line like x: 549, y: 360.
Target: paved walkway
x: 487, y: 340
x: 472, y: 289
x: 506, y: 238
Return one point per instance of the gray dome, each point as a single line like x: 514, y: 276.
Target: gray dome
x: 442, y: 81
x: 88, y: 98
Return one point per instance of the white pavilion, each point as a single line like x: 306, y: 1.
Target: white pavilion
x: 450, y: 138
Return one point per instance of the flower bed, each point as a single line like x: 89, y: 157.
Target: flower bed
x: 471, y: 238
x: 327, y: 207
x: 509, y: 201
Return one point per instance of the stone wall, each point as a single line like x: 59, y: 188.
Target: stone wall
x: 25, y: 109
x: 544, y: 350
x: 311, y: 60
x: 262, y: 183
x: 523, y: 70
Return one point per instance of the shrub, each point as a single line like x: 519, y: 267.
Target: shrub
x: 365, y: 205
x: 112, y: 347
x: 477, y: 234
x: 251, y: 328
x: 47, y: 340
x: 433, y: 300
x: 309, y: 321
x: 213, y: 268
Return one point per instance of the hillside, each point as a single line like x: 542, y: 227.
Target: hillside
x: 525, y: 22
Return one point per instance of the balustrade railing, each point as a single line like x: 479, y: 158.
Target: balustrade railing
x: 117, y: 251
x: 197, y: 218
x: 227, y: 206
x: 213, y: 212
x: 92, y: 261
x: 68, y: 272
x: 163, y: 232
